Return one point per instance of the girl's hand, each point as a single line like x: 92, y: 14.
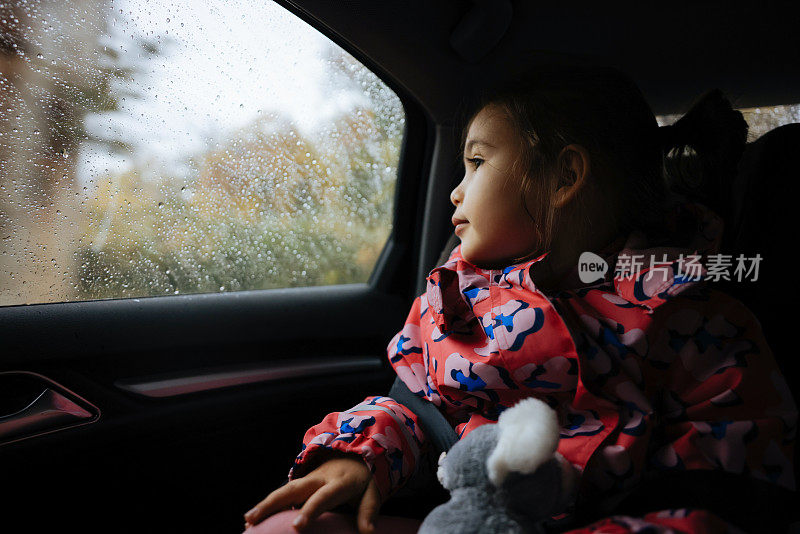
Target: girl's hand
x: 343, y: 479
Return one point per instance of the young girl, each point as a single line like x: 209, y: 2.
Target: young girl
x: 648, y: 368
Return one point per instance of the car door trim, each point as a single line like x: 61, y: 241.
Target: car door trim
x: 164, y: 386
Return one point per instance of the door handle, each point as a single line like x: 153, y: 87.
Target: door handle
x: 50, y: 410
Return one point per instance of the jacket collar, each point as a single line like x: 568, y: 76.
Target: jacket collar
x: 648, y: 275
x: 455, y: 287
x: 641, y: 271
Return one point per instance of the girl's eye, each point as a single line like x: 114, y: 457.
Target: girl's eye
x: 476, y: 162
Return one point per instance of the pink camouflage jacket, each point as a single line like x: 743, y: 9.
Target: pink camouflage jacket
x: 647, y: 371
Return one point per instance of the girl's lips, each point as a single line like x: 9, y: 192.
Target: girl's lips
x: 459, y: 223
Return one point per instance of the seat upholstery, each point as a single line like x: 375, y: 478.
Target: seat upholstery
x: 764, y: 194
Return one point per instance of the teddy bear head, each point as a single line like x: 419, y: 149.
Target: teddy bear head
x: 503, y: 477
x: 525, y: 437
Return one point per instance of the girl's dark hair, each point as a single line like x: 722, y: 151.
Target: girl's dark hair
x: 602, y: 110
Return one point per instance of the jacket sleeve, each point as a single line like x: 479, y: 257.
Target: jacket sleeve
x: 382, y: 431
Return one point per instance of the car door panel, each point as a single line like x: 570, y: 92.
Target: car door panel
x: 289, y: 356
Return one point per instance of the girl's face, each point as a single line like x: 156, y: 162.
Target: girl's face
x: 490, y: 217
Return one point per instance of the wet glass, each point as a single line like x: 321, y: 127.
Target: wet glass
x: 160, y: 148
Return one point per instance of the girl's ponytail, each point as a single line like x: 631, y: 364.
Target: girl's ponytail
x: 702, y: 149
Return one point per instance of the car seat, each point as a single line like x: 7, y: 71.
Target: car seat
x: 763, y: 193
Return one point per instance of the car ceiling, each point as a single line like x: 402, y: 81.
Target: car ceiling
x: 675, y: 51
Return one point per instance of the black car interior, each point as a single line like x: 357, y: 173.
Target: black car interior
x: 188, y: 410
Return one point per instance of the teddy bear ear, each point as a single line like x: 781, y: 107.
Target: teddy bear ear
x: 528, y: 437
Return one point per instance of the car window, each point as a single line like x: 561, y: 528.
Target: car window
x: 159, y: 148
x: 759, y: 120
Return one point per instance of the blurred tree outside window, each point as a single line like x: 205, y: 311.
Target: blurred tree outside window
x: 157, y: 148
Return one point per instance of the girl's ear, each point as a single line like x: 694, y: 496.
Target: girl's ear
x: 575, y: 165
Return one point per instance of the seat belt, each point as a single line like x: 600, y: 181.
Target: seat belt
x: 436, y: 428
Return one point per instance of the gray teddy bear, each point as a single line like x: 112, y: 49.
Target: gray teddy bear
x: 504, y: 477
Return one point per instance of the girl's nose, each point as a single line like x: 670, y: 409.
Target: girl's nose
x: 456, y: 195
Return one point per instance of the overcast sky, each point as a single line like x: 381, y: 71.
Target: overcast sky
x: 225, y: 62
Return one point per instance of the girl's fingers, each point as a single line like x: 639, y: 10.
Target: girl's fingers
x: 368, y: 509
x: 295, y: 492
x: 325, y: 498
